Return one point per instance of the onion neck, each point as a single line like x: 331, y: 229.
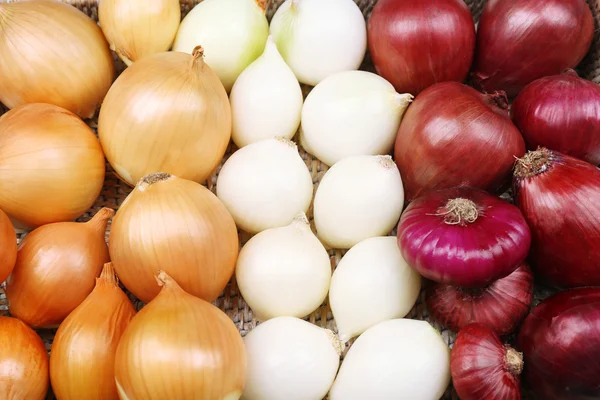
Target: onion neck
x: 498, y: 99
x: 570, y: 72
x: 285, y: 141
x: 197, y: 56
x: 165, y: 281
x: 100, y: 220
x: 262, y: 4
x: 338, y: 344
x: 108, y: 276
x: 533, y: 163
x: 151, y: 179
x: 386, y: 162
x: 459, y: 211
x: 513, y: 361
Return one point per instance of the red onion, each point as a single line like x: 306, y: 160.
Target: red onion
x: 560, y: 339
x: 482, y: 367
x: 414, y: 47
x: 559, y: 197
x: 501, y: 306
x: 519, y: 41
x: 463, y: 237
x: 452, y: 135
x: 562, y: 113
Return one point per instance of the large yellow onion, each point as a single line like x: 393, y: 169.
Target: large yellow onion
x: 138, y: 28
x: 180, y: 347
x: 167, y: 112
x: 51, y: 165
x: 176, y: 225
x: 50, y: 52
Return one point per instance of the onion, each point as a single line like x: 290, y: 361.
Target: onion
x: 137, y: 28
x: 176, y: 225
x: 560, y: 339
x: 37, y: 67
x: 351, y: 113
x: 562, y: 113
x: 463, y: 236
x: 358, y: 198
x: 167, y: 112
x: 559, y: 197
x: 266, y: 100
x: 52, y: 165
x: 372, y: 283
x: 180, y: 347
x: 522, y: 40
x: 414, y: 48
x: 56, y: 268
x: 500, y: 306
x: 396, y: 359
x: 453, y: 135
x: 265, y: 185
x: 82, y: 362
x: 284, y: 271
x: 24, y: 372
x: 8, y: 246
x: 319, y: 38
x: 291, y: 359
x: 483, y: 367
x: 233, y: 33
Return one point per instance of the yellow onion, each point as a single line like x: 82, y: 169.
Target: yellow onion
x: 52, y: 165
x: 138, y: 28
x: 50, y: 52
x: 82, y: 363
x: 177, y: 225
x: 23, y: 360
x: 180, y: 347
x: 56, y: 268
x: 167, y: 112
x: 8, y: 246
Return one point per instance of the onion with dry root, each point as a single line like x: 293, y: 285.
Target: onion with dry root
x: 177, y: 225
x: 180, y: 347
x: 167, y: 112
x: 56, y: 268
x: 8, y: 246
x: 51, y: 52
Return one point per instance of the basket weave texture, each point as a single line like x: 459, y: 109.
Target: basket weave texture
x: 231, y: 302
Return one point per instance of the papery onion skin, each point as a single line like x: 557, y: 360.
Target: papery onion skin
x: 562, y: 113
x: 414, y: 48
x: 467, y: 244
x: 519, y: 41
x: 52, y: 165
x: 500, y: 306
x: 56, y: 268
x: 177, y: 225
x: 24, y: 372
x: 37, y: 68
x: 452, y: 135
x: 559, y: 197
x: 8, y: 246
x: 180, y: 347
x: 483, y: 367
x: 560, y: 339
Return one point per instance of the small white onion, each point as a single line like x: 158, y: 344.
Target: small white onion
x: 266, y: 100
x: 396, y: 359
x: 358, y: 198
x: 351, y: 113
x: 372, y: 283
x: 284, y: 271
x: 319, y: 38
x: 290, y: 359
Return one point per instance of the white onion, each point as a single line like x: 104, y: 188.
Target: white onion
x: 232, y: 33
x: 266, y: 100
x: 290, y: 359
x: 284, y: 271
x: 372, y: 283
x: 319, y: 38
x: 265, y: 185
x: 396, y: 359
x: 358, y: 198
x: 351, y: 113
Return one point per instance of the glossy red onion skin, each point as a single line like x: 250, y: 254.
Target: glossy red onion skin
x: 470, y: 255
x: 414, y: 48
x: 478, y: 366
x: 519, y: 41
x: 561, y: 205
x: 500, y: 306
x: 452, y: 135
x: 562, y: 113
x: 560, y: 340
